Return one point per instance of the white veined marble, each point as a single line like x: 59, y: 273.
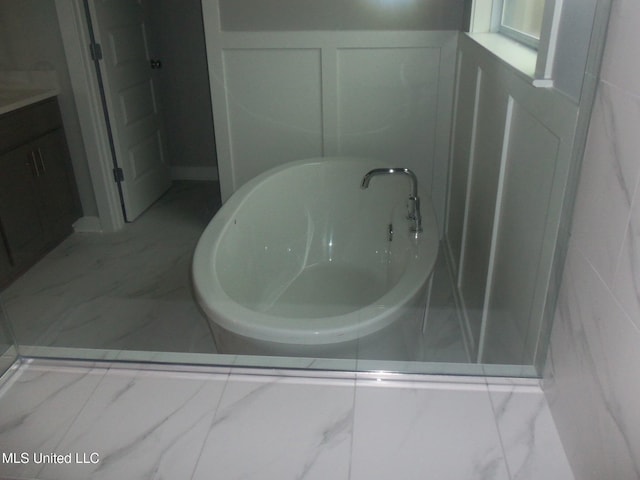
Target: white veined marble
x: 531, y: 445
x: 592, y: 385
x: 37, y: 407
x: 417, y: 431
x: 207, y: 423
x: 272, y: 427
x: 142, y: 425
x: 608, y: 180
x: 128, y: 290
x: 591, y: 379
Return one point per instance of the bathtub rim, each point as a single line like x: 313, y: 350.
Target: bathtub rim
x: 236, y: 318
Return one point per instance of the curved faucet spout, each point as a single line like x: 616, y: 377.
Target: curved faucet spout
x: 414, y: 201
x: 390, y: 171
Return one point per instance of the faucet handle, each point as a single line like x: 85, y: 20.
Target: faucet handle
x: 413, y: 213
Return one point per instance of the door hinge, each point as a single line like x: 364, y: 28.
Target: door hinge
x: 118, y: 174
x: 96, y: 51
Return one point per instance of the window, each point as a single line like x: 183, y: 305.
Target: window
x: 522, y: 20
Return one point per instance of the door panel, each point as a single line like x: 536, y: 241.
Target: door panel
x: 120, y: 27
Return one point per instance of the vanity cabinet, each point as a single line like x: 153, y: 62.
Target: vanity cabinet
x: 38, y: 195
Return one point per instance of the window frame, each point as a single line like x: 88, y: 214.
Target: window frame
x: 517, y: 35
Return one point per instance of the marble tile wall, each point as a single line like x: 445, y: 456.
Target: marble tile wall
x: 591, y: 381
x: 269, y: 424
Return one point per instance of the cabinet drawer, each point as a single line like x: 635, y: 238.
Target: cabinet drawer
x: 27, y: 123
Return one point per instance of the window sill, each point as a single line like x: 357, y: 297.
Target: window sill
x: 516, y: 55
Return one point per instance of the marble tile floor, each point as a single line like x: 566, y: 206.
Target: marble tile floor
x: 110, y: 421
x: 128, y: 290
x: 442, y: 340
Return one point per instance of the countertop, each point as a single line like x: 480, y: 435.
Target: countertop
x: 13, y: 99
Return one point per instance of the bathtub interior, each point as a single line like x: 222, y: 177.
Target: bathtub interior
x: 308, y: 242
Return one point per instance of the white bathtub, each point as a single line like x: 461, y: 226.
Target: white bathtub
x: 299, y: 262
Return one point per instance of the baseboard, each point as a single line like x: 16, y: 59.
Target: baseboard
x: 87, y: 225
x: 194, y: 173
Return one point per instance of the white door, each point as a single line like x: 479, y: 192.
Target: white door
x: 121, y: 30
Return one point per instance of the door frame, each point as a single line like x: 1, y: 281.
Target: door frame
x: 86, y: 93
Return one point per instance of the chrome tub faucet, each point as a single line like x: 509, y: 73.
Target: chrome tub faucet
x: 413, y: 205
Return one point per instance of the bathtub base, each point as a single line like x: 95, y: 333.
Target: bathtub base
x: 399, y: 341
x: 301, y: 261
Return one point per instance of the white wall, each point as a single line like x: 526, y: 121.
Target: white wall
x: 564, y: 47
x: 30, y: 40
x: 571, y: 56
x: 511, y: 153
x: 284, y: 95
x: 591, y: 381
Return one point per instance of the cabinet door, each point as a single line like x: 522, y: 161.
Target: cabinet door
x: 21, y: 225
x: 55, y: 185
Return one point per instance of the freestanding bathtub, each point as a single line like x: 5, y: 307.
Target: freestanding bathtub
x: 301, y: 261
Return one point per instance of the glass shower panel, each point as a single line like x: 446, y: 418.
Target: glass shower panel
x: 8, y: 350
x: 381, y: 90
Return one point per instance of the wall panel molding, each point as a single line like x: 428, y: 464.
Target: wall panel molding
x: 511, y: 173
x: 400, y: 82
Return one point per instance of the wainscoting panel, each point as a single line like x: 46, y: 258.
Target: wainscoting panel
x: 387, y: 106
x: 468, y: 80
x: 279, y: 96
x: 482, y: 196
x: 525, y: 207
x: 275, y: 107
x: 511, y: 154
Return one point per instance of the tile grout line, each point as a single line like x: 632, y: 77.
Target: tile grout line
x: 213, y: 420
x: 607, y: 289
x: 353, y: 426
x: 495, y: 421
x: 80, y: 410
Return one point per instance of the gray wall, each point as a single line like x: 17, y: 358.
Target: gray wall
x: 30, y: 40
x: 256, y: 15
x: 184, y: 81
x: 591, y: 381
